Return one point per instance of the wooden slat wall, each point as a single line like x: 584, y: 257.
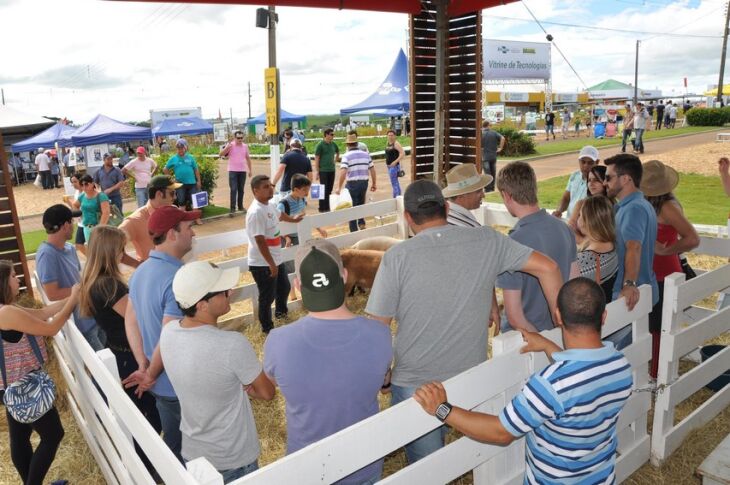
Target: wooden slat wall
x: 463, y: 104
x: 11, y: 240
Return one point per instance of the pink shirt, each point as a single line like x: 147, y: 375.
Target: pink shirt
x: 142, y: 170
x: 237, y: 155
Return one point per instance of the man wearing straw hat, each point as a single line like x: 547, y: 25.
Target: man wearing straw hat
x: 465, y: 192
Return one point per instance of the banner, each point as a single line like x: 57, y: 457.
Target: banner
x: 509, y: 59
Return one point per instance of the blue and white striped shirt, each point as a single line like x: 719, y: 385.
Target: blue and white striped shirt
x: 357, y: 163
x: 569, y: 413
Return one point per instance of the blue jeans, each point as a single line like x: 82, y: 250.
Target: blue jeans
x: 169, y: 410
x: 236, y: 182
x: 639, y: 143
x: 426, y: 444
x: 116, y: 199
x: 489, y: 166
x: 358, y: 189
x: 184, y: 195
x: 142, y: 196
x: 96, y: 337
x: 624, y: 138
x: 235, y: 473
x: 394, y: 182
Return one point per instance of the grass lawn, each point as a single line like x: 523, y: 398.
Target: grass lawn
x: 575, y: 144
x: 698, y: 194
x: 33, y: 239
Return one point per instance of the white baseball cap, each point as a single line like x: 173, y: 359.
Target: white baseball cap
x: 589, y: 151
x: 195, y: 280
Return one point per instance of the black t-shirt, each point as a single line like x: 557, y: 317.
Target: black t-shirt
x: 110, y: 321
x: 296, y: 162
x: 550, y: 118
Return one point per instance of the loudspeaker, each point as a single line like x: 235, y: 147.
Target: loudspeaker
x: 262, y: 18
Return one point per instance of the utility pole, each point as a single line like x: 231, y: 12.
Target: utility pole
x: 724, y: 50
x: 249, y: 100
x: 274, y: 142
x: 636, y: 74
x: 2, y: 95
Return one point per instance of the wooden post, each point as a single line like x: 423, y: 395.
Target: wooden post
x: 11, y: 238
x: 439, y: 134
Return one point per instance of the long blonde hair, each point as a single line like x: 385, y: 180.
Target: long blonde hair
x: 598, y: 220
x: 102, y: 266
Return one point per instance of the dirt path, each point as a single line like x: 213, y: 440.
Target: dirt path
x: 693, y: 153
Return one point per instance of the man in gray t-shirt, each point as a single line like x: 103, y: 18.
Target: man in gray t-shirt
x: 492, y: 143
x: 438, y: 287
x: 524, y: 302
x: 214, y: 372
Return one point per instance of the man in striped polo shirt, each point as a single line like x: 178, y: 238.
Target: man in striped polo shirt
x: 569, y: 410
x: 355, y: 167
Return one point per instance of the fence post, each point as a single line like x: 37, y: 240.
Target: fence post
x: 110, y: 362
x: 668, y: 370
x: 403, y: 229
x: 205, y: 473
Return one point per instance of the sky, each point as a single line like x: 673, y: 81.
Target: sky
x: 78, y: 58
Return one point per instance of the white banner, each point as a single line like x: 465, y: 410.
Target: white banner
x: 509, y: 59
x: 514, y: 97
x: 565, y: 98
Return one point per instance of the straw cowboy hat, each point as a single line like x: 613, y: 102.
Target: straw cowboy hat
x: 463, y: 179
x: 657, y: 178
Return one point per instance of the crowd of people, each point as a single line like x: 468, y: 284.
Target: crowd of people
x: 193, y: 382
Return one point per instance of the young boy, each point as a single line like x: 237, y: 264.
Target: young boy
x: 293, y: 204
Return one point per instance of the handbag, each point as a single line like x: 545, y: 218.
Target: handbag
x: 115, y: 215
x: 31, y: 397
x: 401, y: 173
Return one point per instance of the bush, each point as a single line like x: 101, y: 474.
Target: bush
x: 708, y: 116
x: 517, y: 144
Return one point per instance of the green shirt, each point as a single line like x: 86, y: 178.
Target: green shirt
x: 91, y: 208
x: 326, y: 153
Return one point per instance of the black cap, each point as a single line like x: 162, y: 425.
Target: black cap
x: 319, y: 269
x: 56, y: 216
x: 422, y: 193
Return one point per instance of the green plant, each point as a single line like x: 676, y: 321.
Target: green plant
x: 708, y: 116
x: 517, y: 144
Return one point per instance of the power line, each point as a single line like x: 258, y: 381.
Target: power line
x: 610, y: 29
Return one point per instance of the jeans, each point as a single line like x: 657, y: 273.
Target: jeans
x: 426, y: 444
x: 184, y: 195
x: 549, y: 129
x: 328, y: 180
x: 358, y: 189
x: 659, y: 119
x: 142, y: 196
x: 394, y: 182
x: 489, y: 166
x: 32, y: 465
x: 271, y: 290
x: 626, y: 137
x: 169, y: 410
x: 236, y: 182
x: 96, y: 338
x: 116, y: 199
x: 639, y: 143
x: 235, y: 473
x: 45, y: 178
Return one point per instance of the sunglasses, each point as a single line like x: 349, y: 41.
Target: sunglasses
x: 611, y: 177
x: 239, y: 138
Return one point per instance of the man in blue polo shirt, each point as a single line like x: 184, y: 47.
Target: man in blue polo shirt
x: 151, y: 305
x: 636, y: 229
x: 59, y: 269
x: 569, y: 410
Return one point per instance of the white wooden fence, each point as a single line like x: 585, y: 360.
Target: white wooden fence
x: 109, y: 420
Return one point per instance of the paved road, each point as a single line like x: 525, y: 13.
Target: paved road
x: 545, y: 168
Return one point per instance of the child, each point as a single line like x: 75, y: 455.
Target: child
x: 293, y: 204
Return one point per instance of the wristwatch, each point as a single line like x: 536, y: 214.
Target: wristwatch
x: 630, y: 283
x: 443, y: 411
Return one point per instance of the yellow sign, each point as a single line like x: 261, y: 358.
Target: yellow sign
x: 271, y: 91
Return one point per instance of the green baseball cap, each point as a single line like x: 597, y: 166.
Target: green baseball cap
x: 319, y: 269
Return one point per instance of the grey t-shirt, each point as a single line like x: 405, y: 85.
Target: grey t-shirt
x: 552, y: 237
x: 490, y: 143
x: 438, y: 286
x: 208, y: 368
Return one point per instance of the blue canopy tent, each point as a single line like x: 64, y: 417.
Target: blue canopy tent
x: 392, y: 96
x: 182, y: 126
x: 286, y: 117
x: 46, y: 139
x: 102, y: 129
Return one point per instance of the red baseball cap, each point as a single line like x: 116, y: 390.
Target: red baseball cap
x: 141, y: 150
x: 166, y: 217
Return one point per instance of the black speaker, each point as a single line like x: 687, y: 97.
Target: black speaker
x: 262, y: 18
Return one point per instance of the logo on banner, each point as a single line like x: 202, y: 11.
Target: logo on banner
x: 387, y: 88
